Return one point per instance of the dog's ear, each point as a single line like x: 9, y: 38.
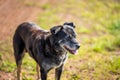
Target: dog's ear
x: 55, y: 29
x: 71, y: 24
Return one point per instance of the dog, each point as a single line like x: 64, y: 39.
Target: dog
x: 48, y: 48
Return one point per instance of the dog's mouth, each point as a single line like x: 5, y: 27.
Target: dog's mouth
x: 71, y: 51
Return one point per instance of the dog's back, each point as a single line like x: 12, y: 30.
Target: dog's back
x: 27, y: 29
x: 24, y: 36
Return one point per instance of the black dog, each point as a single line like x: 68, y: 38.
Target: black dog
x: 48, y: 49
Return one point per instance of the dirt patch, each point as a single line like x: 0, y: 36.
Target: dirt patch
x: 6, y: 76
x: 13, y: 13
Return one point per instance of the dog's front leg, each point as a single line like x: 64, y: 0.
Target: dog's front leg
x: 43, y: 74
x: 58, y: 72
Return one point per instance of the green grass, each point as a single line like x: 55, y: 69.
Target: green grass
x: 7, y: 66
x: 104, y: 43
x: 98, y: 31
x: 114, y: 30
x: 115, y: 65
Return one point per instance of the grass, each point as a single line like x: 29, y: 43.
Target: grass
x: 115, y: 65
x: 5, y: 64
x: 103, y: 43
x: 98, y: 29
x: 114, y: 30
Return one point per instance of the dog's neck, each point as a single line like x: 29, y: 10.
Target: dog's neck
x: 51, y: 48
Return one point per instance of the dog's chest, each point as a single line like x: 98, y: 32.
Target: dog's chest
x: 54, y: 63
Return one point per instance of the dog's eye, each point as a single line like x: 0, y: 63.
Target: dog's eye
x: 68, y: 37
x: 74, y: 36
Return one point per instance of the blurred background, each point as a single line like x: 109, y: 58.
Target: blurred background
x: 98, y: 32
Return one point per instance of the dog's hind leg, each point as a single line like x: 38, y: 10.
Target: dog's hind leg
x: 19, y: 47
x: 38, y: 71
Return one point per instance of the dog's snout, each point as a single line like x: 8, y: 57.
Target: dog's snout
x: 77, y: 46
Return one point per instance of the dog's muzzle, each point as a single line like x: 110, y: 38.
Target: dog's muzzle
x: 75, y: 51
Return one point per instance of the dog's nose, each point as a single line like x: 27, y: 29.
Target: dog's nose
x: 77, y: 46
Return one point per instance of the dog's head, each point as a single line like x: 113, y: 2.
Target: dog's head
x: 65, y: 37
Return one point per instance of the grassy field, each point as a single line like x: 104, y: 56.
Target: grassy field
x: 98, y: 32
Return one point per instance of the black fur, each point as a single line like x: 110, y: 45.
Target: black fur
x: 44, y: 47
